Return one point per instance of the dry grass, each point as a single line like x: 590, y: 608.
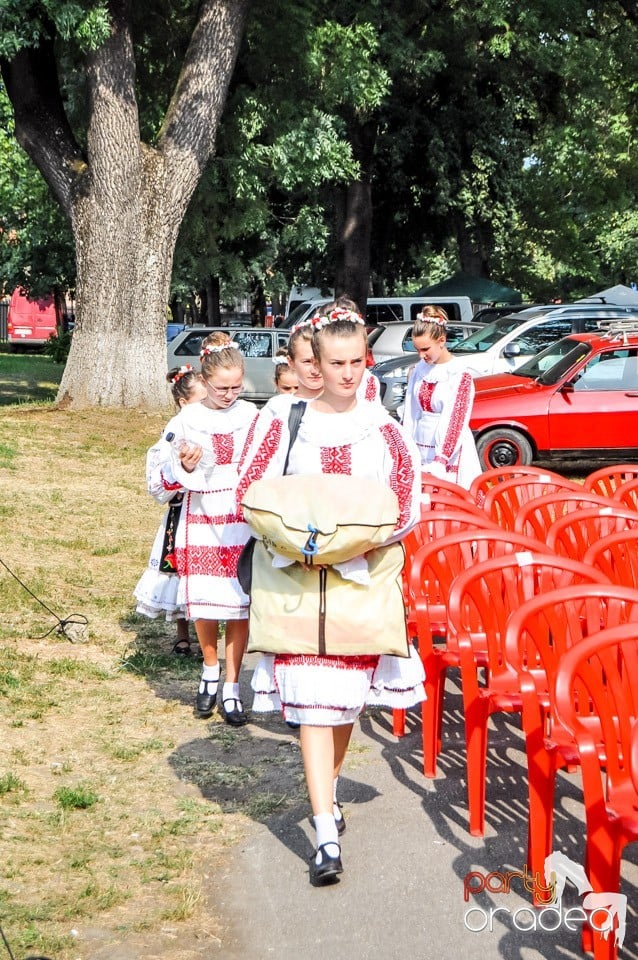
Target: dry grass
x: 115, y: 800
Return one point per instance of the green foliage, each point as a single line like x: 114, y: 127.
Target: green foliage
x: 58, y: 345
x: 24, y: 22
x: 76, y: 798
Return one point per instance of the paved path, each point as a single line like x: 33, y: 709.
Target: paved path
x: 406, y: 852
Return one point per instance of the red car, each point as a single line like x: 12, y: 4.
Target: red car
x: 576, y: 399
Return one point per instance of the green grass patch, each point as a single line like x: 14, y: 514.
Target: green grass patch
x: 10, y: 784
x: 76, y: 798
x: 28, y: 378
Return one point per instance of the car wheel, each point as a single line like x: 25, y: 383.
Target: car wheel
x: 503, y: 448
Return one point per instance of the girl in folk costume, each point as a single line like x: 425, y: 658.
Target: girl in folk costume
x: 209, y: 440
x: 285, y: 378
x: 369, y: 389
x: 438, y: 404
x: 156, y: 591
x: 325, y: 694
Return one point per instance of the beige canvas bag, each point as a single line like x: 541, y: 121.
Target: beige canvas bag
x: 301, y: 610
x: 321, y: 518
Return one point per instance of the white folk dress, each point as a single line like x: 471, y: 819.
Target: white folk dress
x: 211, y: 534
x: 329, y: 690
x: 438, y: 406
x: 156, y: 590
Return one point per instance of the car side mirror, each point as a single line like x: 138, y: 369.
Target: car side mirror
x: 567, y: 387
x: 511, y: 350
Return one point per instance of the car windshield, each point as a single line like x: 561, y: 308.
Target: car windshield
x: 481, y: 340
x: 551, y: 364
x: 297, y: 313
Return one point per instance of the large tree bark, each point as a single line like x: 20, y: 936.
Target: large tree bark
x: 125, y: 200
x: 354, y: 221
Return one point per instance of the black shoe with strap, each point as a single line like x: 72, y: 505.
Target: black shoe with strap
x: 235, y: 716
x: 328, y: 869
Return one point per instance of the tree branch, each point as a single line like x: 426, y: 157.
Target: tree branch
x: 187, y: 137
x: 42, y: 127
x: 113, y: 135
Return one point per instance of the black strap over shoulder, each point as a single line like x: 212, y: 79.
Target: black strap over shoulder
x: 295, y: 417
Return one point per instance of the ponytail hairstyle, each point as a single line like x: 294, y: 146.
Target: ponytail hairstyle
x: 219, y: 352
x: 431, y: 322
x: 182, y: 380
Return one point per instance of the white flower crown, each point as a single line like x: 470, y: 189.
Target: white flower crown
x: 184, y: 369
x: 279, y: 361
x: 339, y: 313
x: 206, y: 351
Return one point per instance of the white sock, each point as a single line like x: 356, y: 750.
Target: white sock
x: 209, y: 675
x: 335, y: 806
x: 327, y: 835
x: 230, y: 691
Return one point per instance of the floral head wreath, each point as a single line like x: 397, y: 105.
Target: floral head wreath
x: 300, y: 326
x: 183, y: 370
x: 318, y: 322
x: 437, y: 318
x: 207, y: 351
x: 279, y: 361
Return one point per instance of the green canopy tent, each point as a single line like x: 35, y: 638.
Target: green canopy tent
x: 478, y: 289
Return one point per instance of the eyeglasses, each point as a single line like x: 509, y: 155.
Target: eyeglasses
x: 220, y: 391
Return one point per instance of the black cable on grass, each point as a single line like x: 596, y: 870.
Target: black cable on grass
x: 60, y: 628
x: 6, y: 942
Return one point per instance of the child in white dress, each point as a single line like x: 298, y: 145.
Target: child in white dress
x: 156, y: 591
x: 325, y: 694
x: 208, y: 444
x: 438, y: 404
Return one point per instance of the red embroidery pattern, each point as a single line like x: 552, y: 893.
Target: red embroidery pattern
x: 372, y: 388
x: 223, y: 446
x: 460, y: 414
x: 336, y: 459
x: 267, y: 449
x: 223, y: 518
x: 356, y: 662
x: 425, y: 395
x: 170, y: 486
x: 207, y: 561
x: 249, y: 440
x: 402, y: 474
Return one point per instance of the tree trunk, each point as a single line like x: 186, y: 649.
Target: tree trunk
x: 124, y: 199
x: 354, y: 222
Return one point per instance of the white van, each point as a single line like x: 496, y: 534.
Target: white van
x: 299, y: 295
x: 382, y: 310
x: 506, y: 343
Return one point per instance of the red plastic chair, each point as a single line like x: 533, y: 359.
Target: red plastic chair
x: 601, y: 671
x: 536, y: 517
x: 503, y: 502
x: 617, y: 557
x: 608, y: 479
x: 480, y: 604
x: 433, y: 526
x: 627, y: 494
x: 447, y: 501
x: 537, y: 636
x: 573, y: 534
x: 489, y: 478
x: 432, y: 485
x: 432, y: 573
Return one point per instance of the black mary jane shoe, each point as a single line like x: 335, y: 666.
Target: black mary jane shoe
x: 205, y: 701
x: 327, y: 870
x: 235, y: 717
x: 182, y: 648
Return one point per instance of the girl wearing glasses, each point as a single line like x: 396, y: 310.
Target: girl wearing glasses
x: 208, y: 441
